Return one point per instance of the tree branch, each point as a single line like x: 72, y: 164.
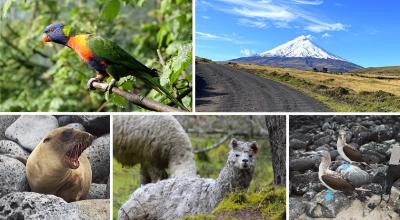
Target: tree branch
x: 219, y: 143
x: 137, y: 99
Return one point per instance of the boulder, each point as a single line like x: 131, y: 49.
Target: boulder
x: 5, y: 122
x: 297, y: 207
x: 12, y: 176
x: 327, y: 204
x: 31, y: 205
x: 96, y: 124
x: 98, y: 154
x: 297, y: 144
x: 12, y: 148
x: 302, y: 183
x: 29, y: 130
x: 93, y: 209
x: 98, y: 191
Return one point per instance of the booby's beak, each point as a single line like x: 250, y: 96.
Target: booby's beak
x: 46, y: 38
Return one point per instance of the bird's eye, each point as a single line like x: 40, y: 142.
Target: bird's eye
x: 237, y: 155
x: 52, y: 30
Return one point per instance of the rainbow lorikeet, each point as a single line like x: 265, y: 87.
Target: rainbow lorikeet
x: 106, y: 57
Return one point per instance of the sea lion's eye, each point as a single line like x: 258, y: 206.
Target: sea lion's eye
x: 66, y: 135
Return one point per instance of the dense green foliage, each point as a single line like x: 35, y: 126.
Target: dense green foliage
x: 38, y: 77
x: 262, y: 199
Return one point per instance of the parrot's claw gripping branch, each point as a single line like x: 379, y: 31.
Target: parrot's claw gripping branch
x: 111, y: 86
x: 135, y: 98
x: 90, y: 83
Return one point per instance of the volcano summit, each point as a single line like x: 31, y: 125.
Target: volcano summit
x: 300, y: 53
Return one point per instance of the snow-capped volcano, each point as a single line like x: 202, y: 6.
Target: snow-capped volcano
x: 301, y: 46
x: 301, y: 53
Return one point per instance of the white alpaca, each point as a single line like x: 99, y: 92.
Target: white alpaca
x: 177, y: 197
x: 157, y: 143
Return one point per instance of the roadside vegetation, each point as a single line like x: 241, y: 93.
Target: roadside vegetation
x: 342, y: 92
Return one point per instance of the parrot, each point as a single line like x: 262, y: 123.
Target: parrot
x: 106, y: 58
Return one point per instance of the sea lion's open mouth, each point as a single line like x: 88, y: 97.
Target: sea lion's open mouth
x: 74, y: 154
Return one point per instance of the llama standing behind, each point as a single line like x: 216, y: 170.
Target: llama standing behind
x: 156, y: 143
x: 177, y: 197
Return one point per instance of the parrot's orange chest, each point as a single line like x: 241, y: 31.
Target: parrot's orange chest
x: 79, y: 44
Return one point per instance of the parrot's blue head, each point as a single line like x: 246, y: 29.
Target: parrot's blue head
x: 57, y: 32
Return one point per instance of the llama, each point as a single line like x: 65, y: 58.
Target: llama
x: 177, y: 197
x: 157, y: 143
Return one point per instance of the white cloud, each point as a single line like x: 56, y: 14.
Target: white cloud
x: 307, y: 2
x: 206, y: 3
x: 321, y: 27
x: 326, y: 35
x: 247, y: 52
x: 279, y: 13
x: 233, y: 39
x: 252, y: 23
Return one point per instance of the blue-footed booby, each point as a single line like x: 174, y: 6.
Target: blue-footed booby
x: 346, y: 151
x: 332, y: 180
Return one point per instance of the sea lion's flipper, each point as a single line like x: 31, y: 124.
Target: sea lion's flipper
x: 22, y: 159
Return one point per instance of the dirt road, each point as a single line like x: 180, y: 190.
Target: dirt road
x: 220, y: 88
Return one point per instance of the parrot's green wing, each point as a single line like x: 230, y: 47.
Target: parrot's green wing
x: 114, y: 54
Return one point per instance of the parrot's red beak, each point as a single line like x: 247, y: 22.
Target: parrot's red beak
x: 46, y: 38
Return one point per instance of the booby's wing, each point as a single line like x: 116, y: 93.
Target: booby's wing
x: 352, y: 153
x: 337, y: 182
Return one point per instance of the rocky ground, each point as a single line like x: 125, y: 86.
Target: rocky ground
x: 18, y: 137
x: 374, y: 136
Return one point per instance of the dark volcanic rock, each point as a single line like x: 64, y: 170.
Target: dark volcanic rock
x: 30, y: 205
x: 327, y: 204
x: 297, y: 144
x: 297, y: 207
x: 12, y: 176
x: 302, y: 183
x: 303, y: 164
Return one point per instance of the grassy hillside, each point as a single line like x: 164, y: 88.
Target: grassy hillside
x: 387, y: 70
x: 203, y: 60
x: 262, y: 201
x: 340, y: 92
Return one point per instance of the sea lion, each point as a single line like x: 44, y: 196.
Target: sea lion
x: 57, y: 166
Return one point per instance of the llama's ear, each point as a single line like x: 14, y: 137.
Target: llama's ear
x: 254, y: 147
x: 234, y: 143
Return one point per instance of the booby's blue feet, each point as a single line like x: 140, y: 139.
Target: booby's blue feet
x: 329, y: 194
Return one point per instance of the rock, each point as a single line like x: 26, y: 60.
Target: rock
x: 323, y: 140
x: 378, y: 173
x: 12, y: 148
x: 93, y: 209
x: 98, y: 191
x: 327, y: 204
x: 5, y: 122
x: 30, y: 205
x: 69, y: 119
x: 303, y: 164
x: 12, y: 176
x: 98, y: 154
x: 374, y: 152
x: 302, y: 183
x: 28, y: 130
x: 297, y: 144
x: 297, y: 207
x: 96, y: 124
x: 76, y: 126
x: 326, y: 126
x: 382, y: 133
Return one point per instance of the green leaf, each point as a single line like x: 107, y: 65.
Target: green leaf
x: 6, y: 7
x: 111, y: 9
x: 118, y: 100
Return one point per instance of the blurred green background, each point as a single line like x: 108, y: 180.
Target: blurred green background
x: 263, y: 199
x: 38, y: 77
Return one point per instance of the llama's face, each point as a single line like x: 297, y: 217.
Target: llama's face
x: 242, y: 154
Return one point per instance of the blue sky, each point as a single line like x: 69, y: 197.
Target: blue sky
x: 365, y: 32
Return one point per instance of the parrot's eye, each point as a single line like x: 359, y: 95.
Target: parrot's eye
x: 52, y: 29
